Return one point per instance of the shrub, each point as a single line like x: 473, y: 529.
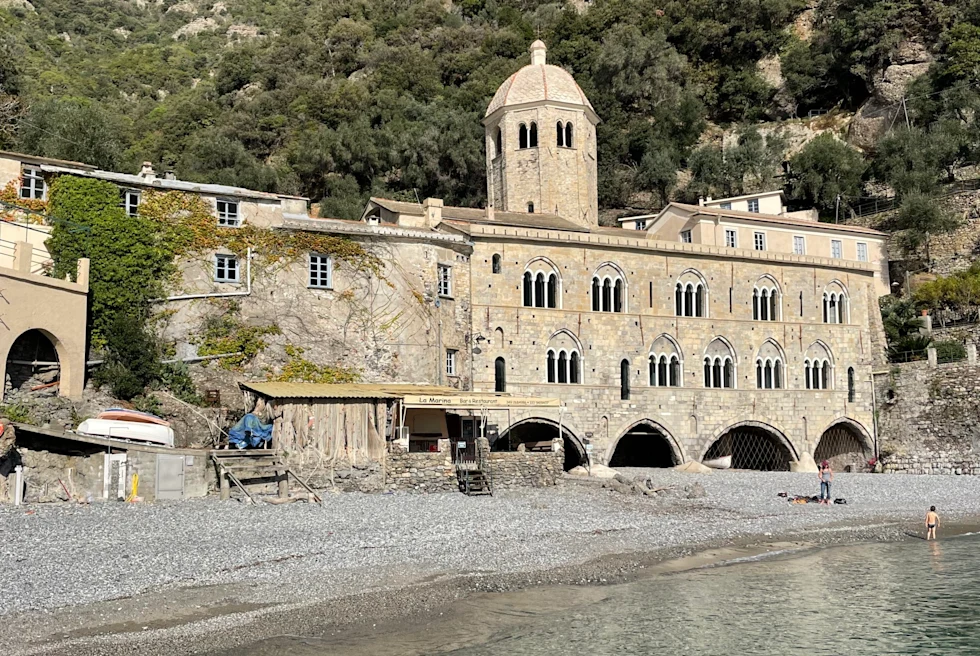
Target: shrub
x: 949, y: 350
x: 132, y: 360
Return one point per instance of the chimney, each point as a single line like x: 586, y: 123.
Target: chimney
x: 490, y: 213
x: 707, y: 200
x: 169, y: 175
x: 147, y: 171
x: 538, y: 53
x: 432, y: 211
x: 701, y: 201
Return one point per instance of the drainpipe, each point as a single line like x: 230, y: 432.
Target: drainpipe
x: 18, y: 485
x: 189, y: 297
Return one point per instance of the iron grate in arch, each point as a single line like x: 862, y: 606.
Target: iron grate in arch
x: 842, y: 447
x: 751, y: 448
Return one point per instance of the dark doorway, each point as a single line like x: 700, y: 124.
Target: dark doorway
x: 643, y: 446
x: 538, y: 435
x: 33, y: 361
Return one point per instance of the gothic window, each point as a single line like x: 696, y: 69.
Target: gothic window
x: 835, y: 304
x: 691, y: 296
x: 551, y: 367
x: 769, y: 366
x: 534, y: 135
x: 569, y: 143
x: 596, y: 299
x: 564, y: 360
x: 562, y: 367
x: 665, y: 363
x: 624, y: 380
x: 608, y: 289
x: 541, y: 285
x: 522, y: 136
x: 818, y: 367
x: 499, y: 375
x: 719, y: 365
x: 499, y: 140
x: 560, y: 129
x: 573, y: 368
x: 765, y: 300
x: 618, y: 296
x: 495, y: 263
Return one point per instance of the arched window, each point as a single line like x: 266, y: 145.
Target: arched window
x: 499, y: 140
x: 596, y: 295
x: 499, y: 375
x: 564, y: 359
x: 850, y: 385
x: 608, y: 289
x: 618, y: 296
x: 765, y: 300
x: 818, y: 367
x: 606, y: 295
x: 719, y: 365
x: 569, y: 142
x: 769, y: 366
x: 573, y: 368
x: 624, y: 380
x: 691, y: 296
x: 562, y: 367
x: 542, y: 284
x: 530, y: 208
x: 495, y: 263
x: 551, y: 367
x: 560, y: 129
x: 835, y: 308
x: 522, y: 136
x: 534, y: 135
x: 665, y: 363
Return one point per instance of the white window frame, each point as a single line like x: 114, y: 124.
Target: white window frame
x: 759, y: 241
x: 862, y: 251
x: 799, y: 245
x: 221, y: 270
x: 731, y: 238
x: 320, y: 270
x: 129, y: 205
x: 444, y: 280
x: 32, y: 184
x: 753, y: 202
x: 226, y: 218
x: 836, y: 249
x: 641, y: 224
x: 725, y: 206
x: 686, y: 237
x: 451, y: 362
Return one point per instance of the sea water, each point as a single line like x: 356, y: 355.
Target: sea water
x: 912, y: 597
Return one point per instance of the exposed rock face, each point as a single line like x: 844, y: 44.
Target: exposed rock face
x: 910, y: 60
x: 16, y: 4
x: 196, y: 26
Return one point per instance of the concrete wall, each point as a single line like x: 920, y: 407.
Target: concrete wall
x: 929, y: 420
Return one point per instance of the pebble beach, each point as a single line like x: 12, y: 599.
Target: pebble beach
x: 119, y: 578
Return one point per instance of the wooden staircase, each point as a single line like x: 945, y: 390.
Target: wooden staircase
x: 244, y: 468
x: 474, y: 482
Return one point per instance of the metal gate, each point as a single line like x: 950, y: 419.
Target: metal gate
x: 170, y: 477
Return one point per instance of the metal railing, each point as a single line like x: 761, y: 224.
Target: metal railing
x: 871, y: 205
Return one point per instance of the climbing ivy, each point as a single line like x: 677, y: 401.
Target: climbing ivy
x: 227, y: 333
x: 10, y: 195
x: 299, y: 369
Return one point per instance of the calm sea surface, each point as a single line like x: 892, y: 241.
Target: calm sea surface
x: 904, y: 598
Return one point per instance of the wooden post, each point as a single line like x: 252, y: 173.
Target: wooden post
x: 224, y: 484
x: 282, y: 478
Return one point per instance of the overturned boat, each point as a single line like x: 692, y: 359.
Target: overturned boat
x: 136, y: 431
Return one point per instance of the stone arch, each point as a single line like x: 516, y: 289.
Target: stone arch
x: 541, y: 284
x: 846, y: 444
x: 533, y: 135
x: 645, y: 443
x: 753, y: 445
x: 498, y: 336
x: 770, y: 366
x: 564, y: 358
x: 665, y: 362
x: 522, y: 136
x: 691, y: 294
x: 560, y: 129
x: 818, y: 366
x: 536, y: 429
x: 720, y: 364
x: 569, y: 135
x: 766, y: 299
x: 609, y: 289
x: 26, y: 353
x: 836, y: 303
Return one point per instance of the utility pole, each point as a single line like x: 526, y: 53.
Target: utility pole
x: 837, y: 210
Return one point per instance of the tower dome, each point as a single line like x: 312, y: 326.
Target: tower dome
x: 539, y: 81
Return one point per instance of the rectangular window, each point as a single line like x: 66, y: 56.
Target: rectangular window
x: 225, y: 268
x: 321, y: 271
x: 32, y: 183
x: 862, y: 252
x: 686, y: 236
x: 131, y: 201
x: 228, y: 213
x: 451, y: 362
x: 445, y: 280
x: 836, y: 249
x: 799, y: 245
x: 731, y: 239
x: 754, y: 205
x: 726, y: 206
x: 641, y: 224
x: 760, y: 241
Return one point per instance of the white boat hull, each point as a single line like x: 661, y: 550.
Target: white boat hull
x: 725, y: 462
x: 128, y: 430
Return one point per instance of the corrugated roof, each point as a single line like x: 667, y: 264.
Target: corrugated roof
x: 453, y: 213
x: 772, y: 218
x: 342, y: 391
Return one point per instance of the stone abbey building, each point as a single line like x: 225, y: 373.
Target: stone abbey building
x: 731, y: 327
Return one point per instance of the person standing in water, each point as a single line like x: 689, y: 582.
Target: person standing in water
x: 932, y: 523
x: 826, y: 476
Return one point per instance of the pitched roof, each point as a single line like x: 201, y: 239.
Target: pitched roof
x: 772, y: 218
x: 463, y: 215
x: 342, y: 391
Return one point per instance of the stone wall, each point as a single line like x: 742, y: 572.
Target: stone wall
x: 516, y: 469
x: 929, y: 418
x: 420, y: 472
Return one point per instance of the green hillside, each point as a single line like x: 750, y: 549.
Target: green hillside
x: 339, y: 99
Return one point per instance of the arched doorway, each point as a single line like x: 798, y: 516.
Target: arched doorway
x: 752, y: 446
x: 32, y: 362
x: 845, y: 446
x: 644, y: 445
x: 538, y: 434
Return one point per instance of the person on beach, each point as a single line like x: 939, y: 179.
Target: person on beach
x: 826, y: 477
x: 932, y: 523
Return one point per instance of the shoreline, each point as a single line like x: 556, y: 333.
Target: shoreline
x: 236, y: 613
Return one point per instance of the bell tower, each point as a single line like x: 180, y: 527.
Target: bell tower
x: 541, y: 144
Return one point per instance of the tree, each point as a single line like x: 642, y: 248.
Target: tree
x: 643, y: 71
x: 963, y: 52
x: 902, y: 323
x: 132, y: 358
x: 919, y: 217
x: 750, y: 165
x: 824, y: 169
x: 73, y: 129
x: 658, y: 171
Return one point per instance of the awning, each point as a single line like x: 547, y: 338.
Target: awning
x: 414, y: 396
x: 477, y: 400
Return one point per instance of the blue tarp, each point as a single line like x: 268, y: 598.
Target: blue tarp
x: 249, y: 433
